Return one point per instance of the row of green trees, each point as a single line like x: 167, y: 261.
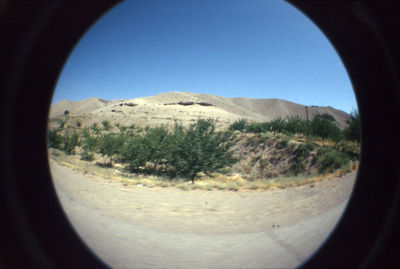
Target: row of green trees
x: 322, y: 125
x: 183, y: 152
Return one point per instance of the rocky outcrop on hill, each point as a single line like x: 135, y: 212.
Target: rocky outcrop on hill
x: 189, y: 103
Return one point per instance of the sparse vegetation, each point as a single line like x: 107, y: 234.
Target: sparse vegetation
x: 331, y: 159
x: 95, y: 128
x: 106, y: 125
x: 87, y: 156
x: 301, y: 153
x: 62, y: 124
x: 239, y: 125
x: 257, y: 152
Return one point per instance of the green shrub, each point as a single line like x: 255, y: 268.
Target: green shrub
x: 238, y: 125
x: 110, y: 145
x: 157, y: 145
x: 184, y: 152
x: 295, y: 125
x: 54, y: 139
x: 134, y: 153
x: 352, y: 149
x: 89, y: 142
x: 353, y: 131
x: 95, y: 128
x: 62, y: 124
x: 302, y: 152
x: 283, y: 143
x: 298, y: 165
x: 324, y: 126
x: 121, y: 128
x: 277, y: 125
x: 331, y: 159
x: 69, y: 142
x: 200, y: 148
x: 106, y: 125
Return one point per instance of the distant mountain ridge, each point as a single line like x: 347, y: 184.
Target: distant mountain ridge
x: 186, y: 106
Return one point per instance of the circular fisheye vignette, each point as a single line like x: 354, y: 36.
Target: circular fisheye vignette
x: 366, y: 233
x: 66, y: 115
x: 29, y: 201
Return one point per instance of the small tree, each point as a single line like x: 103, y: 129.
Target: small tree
x: 323, y: 125
x: 156, y: 141
x: 89, y: 142
x: 353, y: 131
x: 109, y: 145
x: 277, y: 125
x: 54, y: 140
x: 134, y: 153
x: 70, y: 142
x: 200, y: 148
x: 295, y: 125
x: 238, y: 125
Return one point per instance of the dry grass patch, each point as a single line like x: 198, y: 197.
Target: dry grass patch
x: 211, y: 182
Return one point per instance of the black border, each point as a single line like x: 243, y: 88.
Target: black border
x: 35, y: 42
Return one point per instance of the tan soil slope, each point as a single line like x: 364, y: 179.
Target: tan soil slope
x: 164, y: 109
x: 78, y: 107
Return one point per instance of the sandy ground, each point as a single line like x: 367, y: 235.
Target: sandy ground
x: 140, y: 227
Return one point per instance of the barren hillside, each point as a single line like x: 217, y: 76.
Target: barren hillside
x: 185, y: 107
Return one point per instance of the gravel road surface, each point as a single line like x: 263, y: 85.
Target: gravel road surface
x: 140, y: 227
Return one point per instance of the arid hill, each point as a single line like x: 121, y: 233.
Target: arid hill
x: 185, y: 107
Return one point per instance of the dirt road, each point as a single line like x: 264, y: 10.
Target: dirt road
x: 140, y: 227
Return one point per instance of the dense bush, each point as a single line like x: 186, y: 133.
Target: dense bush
x: 353, y: 131
x: 258, y: 127
x: 296, y: 125
x: 283, y: 143
x: 324, y: 126
x: 331, y: 159
x: 54, y: 139
x: 67, y: 142
x: 239, y: 125
x: 350, y: 148
x: 200, y: 148
x: 157, y: 145
x: 110, y: 145
x: 70, y: 142
x: 134, y: 153
x: 89, y: 142
x: 183, y: 152
x: 301, y: 152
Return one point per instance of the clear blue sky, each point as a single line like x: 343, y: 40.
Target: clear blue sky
x: 233, y: 48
